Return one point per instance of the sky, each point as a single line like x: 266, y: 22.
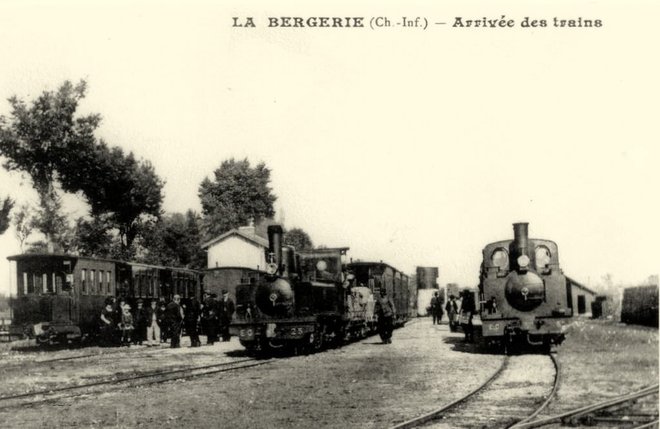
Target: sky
x: 411, y: 146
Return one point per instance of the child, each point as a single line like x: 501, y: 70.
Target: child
x: 126, y: 325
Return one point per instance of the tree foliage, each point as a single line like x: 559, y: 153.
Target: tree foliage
x: 298, y: 238
x: 238, y: 193
x: 5, y: 210
x: 175, y: 241
x: 23, y: 224
x: 47, y: 140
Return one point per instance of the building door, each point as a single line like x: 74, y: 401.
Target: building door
x: 581, y: 304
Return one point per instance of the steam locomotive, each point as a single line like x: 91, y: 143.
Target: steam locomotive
x: 311, y: 299
x: 524, y: 295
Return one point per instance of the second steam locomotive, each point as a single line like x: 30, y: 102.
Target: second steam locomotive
x: 524, y: 294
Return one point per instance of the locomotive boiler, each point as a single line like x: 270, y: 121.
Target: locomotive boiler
x: 524, y: 294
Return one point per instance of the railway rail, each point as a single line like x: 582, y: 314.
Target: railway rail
x: 140, y: 379
x: 589, y: 414
x: 451, y: 415
x: 22, y: 364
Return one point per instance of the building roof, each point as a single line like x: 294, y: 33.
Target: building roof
x: 580, y: 285
x: 253, y: 238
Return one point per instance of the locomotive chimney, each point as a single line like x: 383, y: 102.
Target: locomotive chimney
x: 275, y: 243
x: 520, y: 238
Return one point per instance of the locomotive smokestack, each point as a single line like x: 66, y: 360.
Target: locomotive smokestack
x: 275, y: 243
x: 520, y: 238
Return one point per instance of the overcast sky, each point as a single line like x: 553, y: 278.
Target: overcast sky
x: 415, y: 147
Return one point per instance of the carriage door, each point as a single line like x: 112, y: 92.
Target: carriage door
x: 62, y: 302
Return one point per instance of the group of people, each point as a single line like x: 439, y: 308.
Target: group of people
x: 457, y: 315
x: 161, y: 321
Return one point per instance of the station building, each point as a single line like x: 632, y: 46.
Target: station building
x: 235, y: 257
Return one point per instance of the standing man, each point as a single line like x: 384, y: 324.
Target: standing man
x: 435, y: 302
x: 209, y: 318
x: 226, y: 311
x: 153, y: 320
x: 140, y: 321
x: 191, y: 317
x: 467, y: 312
x: 452, y: 313
x: 174, y: 317
x: 384, y: 308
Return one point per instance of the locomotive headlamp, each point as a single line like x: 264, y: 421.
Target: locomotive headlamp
x: 271, y: 268
x: 523, y: 261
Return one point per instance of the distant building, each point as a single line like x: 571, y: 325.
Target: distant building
x: 240, y: 247
x: 427, y: 277
x: 582, y: 298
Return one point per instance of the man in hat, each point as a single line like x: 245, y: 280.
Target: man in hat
x: 386, y: 311
x: 140, y: 321
x: 225, y: 312
x: 468, y: 308
x: 210, y: 318
x: 452, y: 313
x: 174, y: 317
x: 191, y: 318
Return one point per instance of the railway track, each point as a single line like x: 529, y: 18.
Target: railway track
x: 505, y: 399
x: 22, y: 364
x: 135, y: 380
x: 635, y: 410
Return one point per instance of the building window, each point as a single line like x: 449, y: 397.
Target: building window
x: 83, y: 281
x: 107, y: 283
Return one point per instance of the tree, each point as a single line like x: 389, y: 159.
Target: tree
x: 298, y: 238
x: 5, y: 210
x: 174, y: 240
x: 24, y: 224
x: 238, y: 194
x: 93, y: 237
x: 48, y: 141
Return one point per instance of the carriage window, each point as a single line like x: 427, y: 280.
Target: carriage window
x: 37, y: 285
x: 83, y: 281
x: 25, y: 284
x: 57, y: 282
x: 107, y: 283
x: 48, y: 287
x: 92, y: 282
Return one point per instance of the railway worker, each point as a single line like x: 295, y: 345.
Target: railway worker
x: 140, y: 319
x: 452, y: 313
x: 436, y: 308
x: 386, y: 311
x: 153, y: 326
x: 467, y: 312
x: 210, y: 318
x: 191, y: 318
x: 225, y: 312
x: 174, y: 318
